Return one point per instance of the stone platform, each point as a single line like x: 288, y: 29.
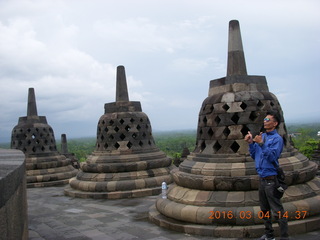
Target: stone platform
x: 55, y: 216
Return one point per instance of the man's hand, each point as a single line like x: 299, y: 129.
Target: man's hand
x: 248, y: 137
x: 258, y: 138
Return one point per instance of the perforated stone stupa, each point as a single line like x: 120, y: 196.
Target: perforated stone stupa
x: 126, y: 162
x: 45, y: 166
x: 215, y: 190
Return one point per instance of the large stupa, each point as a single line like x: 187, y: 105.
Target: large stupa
x: 215, y: 190
x: 35, y: 137
x: 126, y: 162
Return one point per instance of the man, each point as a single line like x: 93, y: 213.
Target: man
x: 265, y: 149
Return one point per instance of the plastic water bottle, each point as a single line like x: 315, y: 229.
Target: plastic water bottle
x: 164, y: 190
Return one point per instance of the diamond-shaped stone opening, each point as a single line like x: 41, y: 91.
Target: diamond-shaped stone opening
x: 262, y: 129
x: 111, y: 122
x: 216, y: 146
x: 226, y: 107
x: 42, y: 148
x: 46, y: 142
x: 103, y: 122
x: 38, y: 141
x: 253, y: 116
x: 34, y: 149
x: 129, y: 144
x: 260, y: 104
x: 235, y: 147
x: 144, y: 134
x: 140, y: 143
x: 116, y: 129
x: 200, y: 132
x: 203, y: 145
x: 205, y: 120
x: 44, y: 129
x: 127, y: 128
x: 235, y: 118
x: 102, y: 137
x: 243, y: 106
x: 33, y: 136
x: 138, y: 127
x: 244, y: 130
x: 121, y: 121
x: 147, y: 126
x: 116, y: 145
x: 29, y: 142
x: 29, y: 130
x: 284, y: 140
x: 134, y: 136
x: 20, y: 143
x: 37, y: 129
x: 106, y: 146
x: 217, y: 120
x: 149, y: 142
x: 111, y: 137
x: 141, y: 120
x: 271, y: 104
x: 122, y: 136
x: 131, y: 120
x: 226, y: 131
x: 24, y: 149
x: 51, y: 130
x: 106, y: 129
x: 210, y: 132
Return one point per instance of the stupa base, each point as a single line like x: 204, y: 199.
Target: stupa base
x: 227, y: 231
x: 47, y: 184
x: 136, y: 193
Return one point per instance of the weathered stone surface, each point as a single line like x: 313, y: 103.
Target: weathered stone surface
x: 220, y: 176
x: 45, y: 166
x: 13, y: 197
x: 126, y: 162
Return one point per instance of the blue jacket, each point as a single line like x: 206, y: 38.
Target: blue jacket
x: 266, y: 156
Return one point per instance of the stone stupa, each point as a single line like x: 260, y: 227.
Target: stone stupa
x: 64, y: 151
x: 215, y: 190
x: 45, y: 166
x: 126, y: 162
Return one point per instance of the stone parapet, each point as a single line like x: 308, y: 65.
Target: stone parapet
x: 13, y: 198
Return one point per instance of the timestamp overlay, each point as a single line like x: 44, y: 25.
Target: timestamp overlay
x: 299, y: 214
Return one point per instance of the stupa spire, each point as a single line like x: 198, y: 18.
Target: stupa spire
x: 121, y: 88
x: 236, y: 62
x: 32, y: 105
x: 64, y: 144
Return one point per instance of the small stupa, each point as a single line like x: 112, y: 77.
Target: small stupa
x: 126, y: 162
x: 45, y: 166
x: 215, y: 190
x: 64, y: 151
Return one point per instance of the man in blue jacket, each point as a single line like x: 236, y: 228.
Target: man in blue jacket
x: 265, y: 149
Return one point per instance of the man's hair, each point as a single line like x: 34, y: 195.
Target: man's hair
x: 275, y: 115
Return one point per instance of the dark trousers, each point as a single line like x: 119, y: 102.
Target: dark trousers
x: 270, y: 203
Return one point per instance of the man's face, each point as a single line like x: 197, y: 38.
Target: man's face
x: 269, y: 123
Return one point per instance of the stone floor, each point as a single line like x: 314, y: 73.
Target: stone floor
x: 53, y: 216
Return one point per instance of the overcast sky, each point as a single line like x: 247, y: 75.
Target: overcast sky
x: 69, y: 50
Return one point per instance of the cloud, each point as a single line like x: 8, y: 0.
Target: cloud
x: 69, y: 50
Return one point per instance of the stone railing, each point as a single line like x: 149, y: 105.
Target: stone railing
x: 13, y: 197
